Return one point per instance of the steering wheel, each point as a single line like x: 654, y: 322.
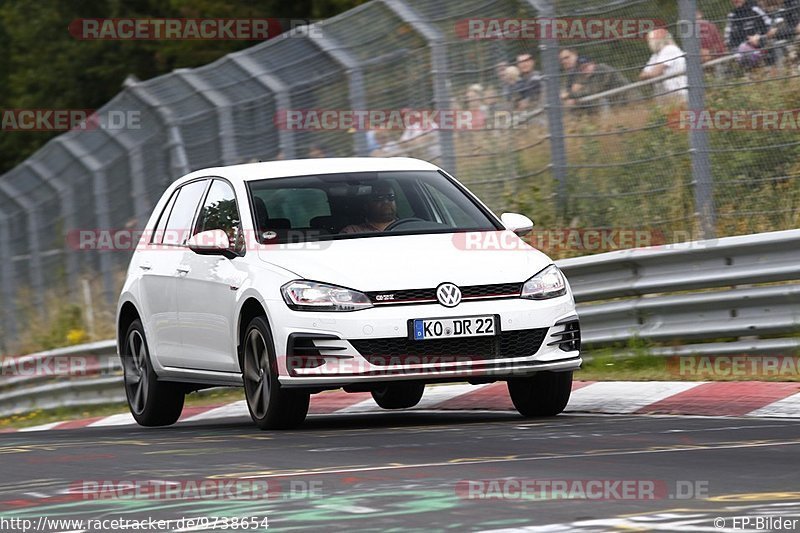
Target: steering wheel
x: 401, y: 221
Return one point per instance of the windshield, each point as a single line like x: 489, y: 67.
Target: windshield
x: 363, y: 204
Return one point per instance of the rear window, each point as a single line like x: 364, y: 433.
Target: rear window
x: 363, y: 204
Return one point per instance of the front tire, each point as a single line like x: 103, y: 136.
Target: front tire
x: 270, y: 406
x: 152, y: 402
x: 399, y: 395
x: 543, y: 394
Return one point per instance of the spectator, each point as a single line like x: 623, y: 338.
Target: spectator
x: 747, y: 25
x: 530, y: 88
x: 570, y: 64
x: 511, y: 86
x: 475, y: 105
x: 711, y: 43
x: 784, y: 18
x: 500, y: 70
x: 594, y: 78
x: 419, y: 133
x: 667, y: 59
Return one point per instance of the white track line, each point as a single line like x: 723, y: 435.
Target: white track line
x: 622, y: 397
x: 231, y: 410
x: 433, y: 396
x: 122, y: 419
x: 41, y: 427
x: 788, y: 407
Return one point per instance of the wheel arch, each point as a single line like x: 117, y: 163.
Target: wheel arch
x: 128, y: 313
x: 250, y: 309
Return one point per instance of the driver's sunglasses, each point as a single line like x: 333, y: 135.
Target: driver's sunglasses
x: 384, y: 197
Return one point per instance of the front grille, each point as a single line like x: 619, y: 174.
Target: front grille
x: 498, y: 290
x: 401, y: 350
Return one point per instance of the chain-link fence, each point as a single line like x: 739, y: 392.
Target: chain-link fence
x: 564, y: 127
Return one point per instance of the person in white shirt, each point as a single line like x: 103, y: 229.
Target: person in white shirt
x: 667, y: 59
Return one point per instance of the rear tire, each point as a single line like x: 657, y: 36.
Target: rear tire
x: 543, y: 394
x: 270, y: 406
x: 399, y: 395
x: 152, y: 402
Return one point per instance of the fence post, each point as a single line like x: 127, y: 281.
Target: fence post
x: 274, y: 85
x: 222, y: 106
x: 141, y: 207
x: 551, y: 71
x: 9, y: 307
x: 68, y: 210
x: 698, y: 137
x: 355, y: 84
x: 178, y: 159
x: 100, y: 193
x: 34, y: 246
x: 439, y: 71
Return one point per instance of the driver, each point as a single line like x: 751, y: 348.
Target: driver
x: 381, y: 210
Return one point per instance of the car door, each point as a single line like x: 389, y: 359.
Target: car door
x: 207, y: 288
x: 159, y: 265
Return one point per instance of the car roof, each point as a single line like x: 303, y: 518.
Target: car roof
x: 307, y: 167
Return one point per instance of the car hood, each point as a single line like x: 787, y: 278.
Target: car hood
x: 411, y: 261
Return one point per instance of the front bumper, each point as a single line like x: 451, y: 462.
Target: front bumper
x: 339, y: 363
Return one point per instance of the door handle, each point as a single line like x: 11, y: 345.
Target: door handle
x: 183, y: 269
x: 146, y: 265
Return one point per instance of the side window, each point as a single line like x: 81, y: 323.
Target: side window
x: 220, y: 212
x: 179, y: 223
x: 158, y: 234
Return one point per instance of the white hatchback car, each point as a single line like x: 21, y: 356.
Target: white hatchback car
x: 368, y: 274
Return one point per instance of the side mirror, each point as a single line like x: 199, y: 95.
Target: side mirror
x: 211, y: 242
x: 519, y: 224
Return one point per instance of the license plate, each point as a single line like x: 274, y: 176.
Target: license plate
x: 446, y: 328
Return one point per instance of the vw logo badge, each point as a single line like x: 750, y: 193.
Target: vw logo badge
x: 448, y: 294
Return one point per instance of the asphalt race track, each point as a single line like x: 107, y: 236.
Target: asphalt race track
x: 409, y: 470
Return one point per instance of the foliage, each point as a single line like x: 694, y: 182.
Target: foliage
x: 43, y: 67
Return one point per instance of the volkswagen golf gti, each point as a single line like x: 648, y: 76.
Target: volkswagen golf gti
x: 375, y: 275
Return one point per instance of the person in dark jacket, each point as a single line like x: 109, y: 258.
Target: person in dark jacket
x: 785, y: 18
x: 594, y: 78
x: 747, y: 23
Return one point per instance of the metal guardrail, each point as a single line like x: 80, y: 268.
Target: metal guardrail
x: 695, y: 291
x: 698, y: 291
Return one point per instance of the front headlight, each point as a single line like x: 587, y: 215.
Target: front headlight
x: 313, y: 296
x: 549, y: 283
